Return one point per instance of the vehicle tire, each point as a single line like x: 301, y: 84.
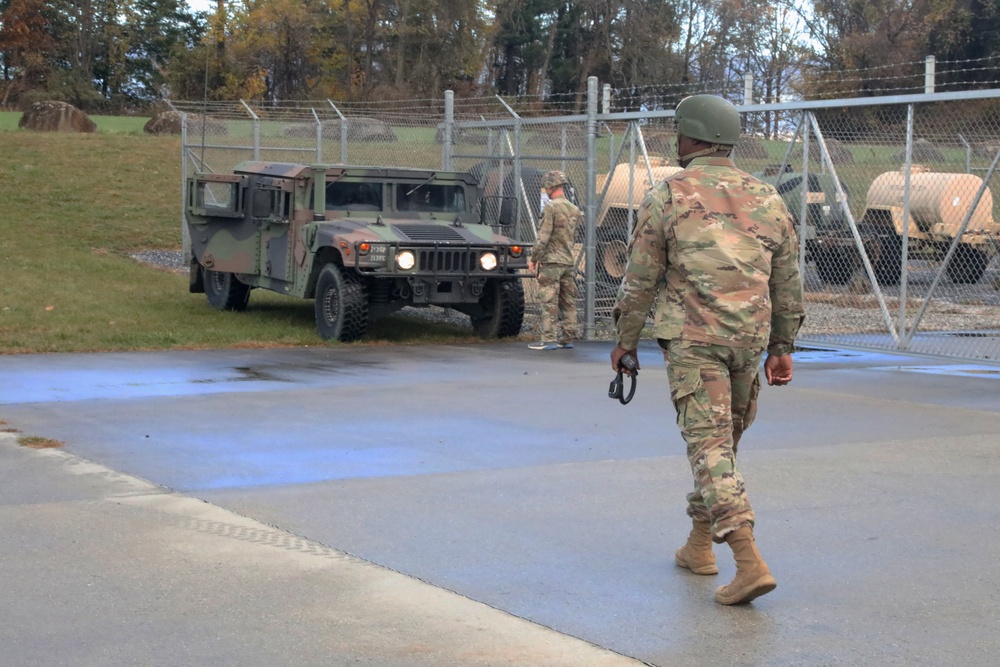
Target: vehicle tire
x: 967, y: 265
x: 612, y: 253
x: 341, y: 304
x: 612, y: 259
x: 834, y: 266
x: 224, y: 291
x: 889, y: 266
x: 503, y: 301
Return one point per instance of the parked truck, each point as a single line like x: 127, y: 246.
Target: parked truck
x: 363, y: 242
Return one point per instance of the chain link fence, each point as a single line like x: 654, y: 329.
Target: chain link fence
x: 892, y: 197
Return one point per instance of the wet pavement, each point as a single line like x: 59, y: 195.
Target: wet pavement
x: 483, y: 504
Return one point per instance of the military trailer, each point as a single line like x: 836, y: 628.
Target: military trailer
x: 825, y: 216
x: 616, y: 217
x: 368, y: 243
x: 938, y: 204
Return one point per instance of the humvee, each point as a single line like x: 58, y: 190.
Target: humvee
x: 364, y: 245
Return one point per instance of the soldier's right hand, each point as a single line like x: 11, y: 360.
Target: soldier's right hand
x: 616, y: 360
x: 778, y: 369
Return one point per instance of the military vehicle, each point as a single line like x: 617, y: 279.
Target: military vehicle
x: 825, y: 218
x: 615, y: 217
x: 939, y: 202
x: 369, y: 242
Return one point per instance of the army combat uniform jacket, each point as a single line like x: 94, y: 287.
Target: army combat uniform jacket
x: 717, y: 250
x: 557, y: 233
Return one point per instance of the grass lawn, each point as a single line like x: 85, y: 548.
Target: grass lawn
x: 74, y: 209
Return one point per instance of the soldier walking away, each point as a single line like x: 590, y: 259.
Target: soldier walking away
x: 714, y: 251
x: 552, y: 258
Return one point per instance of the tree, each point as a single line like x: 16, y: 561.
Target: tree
x: 25, y: 44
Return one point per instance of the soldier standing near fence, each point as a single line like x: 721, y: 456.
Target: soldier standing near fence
x: 716, y: 249
x: 552, y: 258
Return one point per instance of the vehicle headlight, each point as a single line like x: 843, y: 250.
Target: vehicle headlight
x: 488, y: 261
x: 405, y: 260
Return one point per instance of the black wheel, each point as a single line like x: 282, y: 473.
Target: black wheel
x: 967, y: 265
x: 889, y: 265
x: 224, y: 291
x: 341, y: 304
x: 503, y: 305
x: 834, y: 266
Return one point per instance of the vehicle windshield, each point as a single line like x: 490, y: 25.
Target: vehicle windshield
x: 341, y: 196
x: 430, y: 197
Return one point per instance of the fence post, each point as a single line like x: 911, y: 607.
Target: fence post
x: 804, y: 200
x: 904, y: 252
x: 606, y: 99
x: 748, y: 88
x: 185, y: 236
x: 343, y: 132
x: 591, y: 205
x: 929, y: 74
x: 447, y: 149
x: 319, y: 136
x: 256, y: 130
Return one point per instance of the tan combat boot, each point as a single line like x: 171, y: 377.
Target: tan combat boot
x: 697, y: 554
x: 753, y: 578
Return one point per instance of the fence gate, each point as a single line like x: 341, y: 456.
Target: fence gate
x: 892, y: 196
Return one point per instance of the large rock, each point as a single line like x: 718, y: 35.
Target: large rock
x: 923, y: 151
x: 368, y: 129
x: 52, y: 116
x: 358, y: 129
x: 839, y: 153
x: 750, y: 148
x: 169, y: 122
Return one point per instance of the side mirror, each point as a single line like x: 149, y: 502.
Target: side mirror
x: 497, y: 211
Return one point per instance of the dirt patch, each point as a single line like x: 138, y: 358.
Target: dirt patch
x: 36, y: 442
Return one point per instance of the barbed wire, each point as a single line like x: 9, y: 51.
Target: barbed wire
x: 846, y: 83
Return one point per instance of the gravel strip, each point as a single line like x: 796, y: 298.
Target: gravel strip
x: 851, y: 313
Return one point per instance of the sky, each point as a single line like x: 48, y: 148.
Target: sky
x: 202, y: 5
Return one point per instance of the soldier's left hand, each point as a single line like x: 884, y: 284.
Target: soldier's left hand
x: 533, y: 267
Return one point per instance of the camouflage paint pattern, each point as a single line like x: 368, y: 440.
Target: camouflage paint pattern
x: 553, y: 251
x: 715, y: 250
x: 268, y: 235
x: 557, y: 294
x: 714, y: 390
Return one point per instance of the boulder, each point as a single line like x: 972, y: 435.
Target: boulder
x: 923, y: 151
x: 367, y: 129
x: 750, y: 148
x: 169, y: 122
x: 53, y: 116
x: 839, y: 153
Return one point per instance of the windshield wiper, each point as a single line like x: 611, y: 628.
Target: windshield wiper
x: 420, y: 185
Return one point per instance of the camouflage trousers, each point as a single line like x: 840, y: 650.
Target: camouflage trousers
x: 714, y: 391
x: 557, y: 301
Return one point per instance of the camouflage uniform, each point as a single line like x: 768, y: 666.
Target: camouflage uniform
x: 717, y: 250
x: 557, y: 277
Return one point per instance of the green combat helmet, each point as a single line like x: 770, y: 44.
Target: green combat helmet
x: 553, y: 179
x: 708, y: 118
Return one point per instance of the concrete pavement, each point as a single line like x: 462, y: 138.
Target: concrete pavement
x: 483, y: 504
